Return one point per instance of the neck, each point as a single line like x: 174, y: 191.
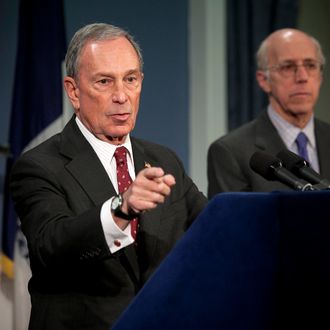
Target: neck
x: 117, y: 140
x: 295, y: 117
x: 298, y: 120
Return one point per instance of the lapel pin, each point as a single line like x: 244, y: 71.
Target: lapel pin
x: 146, y: 164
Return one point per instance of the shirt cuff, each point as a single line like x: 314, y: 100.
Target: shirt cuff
x: 114, y: 236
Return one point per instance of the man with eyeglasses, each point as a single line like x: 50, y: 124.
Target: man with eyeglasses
x: 290, y: 70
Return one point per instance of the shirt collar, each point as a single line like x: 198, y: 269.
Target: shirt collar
x: 104, y: 150
x: 289, y: 132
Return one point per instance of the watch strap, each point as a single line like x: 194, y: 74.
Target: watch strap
x: 119, y: 213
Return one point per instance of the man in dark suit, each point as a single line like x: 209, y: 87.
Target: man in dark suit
x: 290, y: 65
x: 86, y: 263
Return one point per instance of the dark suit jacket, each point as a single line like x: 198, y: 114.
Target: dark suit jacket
x: 58, y: 189
x: 228, y: 157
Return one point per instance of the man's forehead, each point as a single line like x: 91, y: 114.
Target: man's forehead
x: 295, y: 51
x: 118, y: 51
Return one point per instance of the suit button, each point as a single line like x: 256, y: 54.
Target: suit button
x: 117, y: 243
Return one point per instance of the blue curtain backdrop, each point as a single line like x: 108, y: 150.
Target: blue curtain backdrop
x: 37, y: 95
x: 248, y: 23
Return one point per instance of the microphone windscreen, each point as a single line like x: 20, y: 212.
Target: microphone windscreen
x: 300, y: 167
x: 290, y: 160
x: 264, y: 164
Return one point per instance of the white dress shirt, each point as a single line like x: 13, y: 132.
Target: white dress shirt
x: 115, y: 237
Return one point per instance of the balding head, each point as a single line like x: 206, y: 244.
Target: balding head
x: 281, y: 39
x: 290, y: 64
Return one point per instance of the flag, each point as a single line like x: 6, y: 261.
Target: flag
x: 37, y: 113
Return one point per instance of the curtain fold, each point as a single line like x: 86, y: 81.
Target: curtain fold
x: 248, y: 23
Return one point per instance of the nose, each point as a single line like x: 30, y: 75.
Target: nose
x: 301, y: 74
x: 119, y: 95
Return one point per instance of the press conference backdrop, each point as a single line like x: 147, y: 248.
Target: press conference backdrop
x: 180, y: 53
x: 182, y: 50
x: 170, y: 38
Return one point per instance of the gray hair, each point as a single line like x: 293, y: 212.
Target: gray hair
x: 263, y: 51
x: 95, y: 32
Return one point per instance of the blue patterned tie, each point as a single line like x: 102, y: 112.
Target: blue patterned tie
x: 301, y: 141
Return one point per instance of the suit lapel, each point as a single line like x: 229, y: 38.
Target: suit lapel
x: 149, y: 223
x: 267, y: 138
x: 85, y: 166
x: 87, y: 169
x: 89, y: 172
x: 322, y: 135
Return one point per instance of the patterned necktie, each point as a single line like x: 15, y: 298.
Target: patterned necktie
x: 301, y: 141
x: 124, y: 180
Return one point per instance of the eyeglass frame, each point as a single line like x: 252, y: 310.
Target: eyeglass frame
x: 294, y: 69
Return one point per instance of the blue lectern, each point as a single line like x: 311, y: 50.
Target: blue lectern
x: 254, y: 261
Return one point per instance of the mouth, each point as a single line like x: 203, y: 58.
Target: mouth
x: 300, y: 94
x: 121, y: 116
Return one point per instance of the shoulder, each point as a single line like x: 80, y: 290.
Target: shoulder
x: 49, y: 146
x: 156, y: 154
x: 322, y: 134
x: 48, y: 153
x: 238, y: 136
x: 321, y: 124
x: 246, y: 134
x: 36, y: 162
x: 66, y: 144
x: 151, y: 148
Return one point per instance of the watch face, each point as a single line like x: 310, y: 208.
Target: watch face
x: 116, y: 205
x: 116, y: 202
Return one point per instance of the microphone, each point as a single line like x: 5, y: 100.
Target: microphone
x: 300, y: 167
x: 271, y: 168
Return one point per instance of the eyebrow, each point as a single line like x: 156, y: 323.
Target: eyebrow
x: 304, y: 59
x: 110, y: 74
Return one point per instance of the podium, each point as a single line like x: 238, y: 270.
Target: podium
x: 250, y: 261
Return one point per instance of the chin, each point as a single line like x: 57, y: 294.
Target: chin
x: 119, y: 133
x: 301, y: 112
x: 304, y: 107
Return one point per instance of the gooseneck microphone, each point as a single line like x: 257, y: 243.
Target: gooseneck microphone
x: 300, y: 167
x: 271, y: 168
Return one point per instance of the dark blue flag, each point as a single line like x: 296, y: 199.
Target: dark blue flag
x: 37, y: 95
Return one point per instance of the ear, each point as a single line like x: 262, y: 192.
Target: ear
x: 321, y: 78
x: 263, y: 81
x: 72, y: 91
x: 142, y: 77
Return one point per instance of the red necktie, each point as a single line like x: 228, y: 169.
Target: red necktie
x: 124, y: 180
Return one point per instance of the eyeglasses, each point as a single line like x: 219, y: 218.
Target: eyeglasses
x: 289, y: 69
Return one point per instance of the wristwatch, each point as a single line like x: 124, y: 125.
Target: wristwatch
x: 116, y: 204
